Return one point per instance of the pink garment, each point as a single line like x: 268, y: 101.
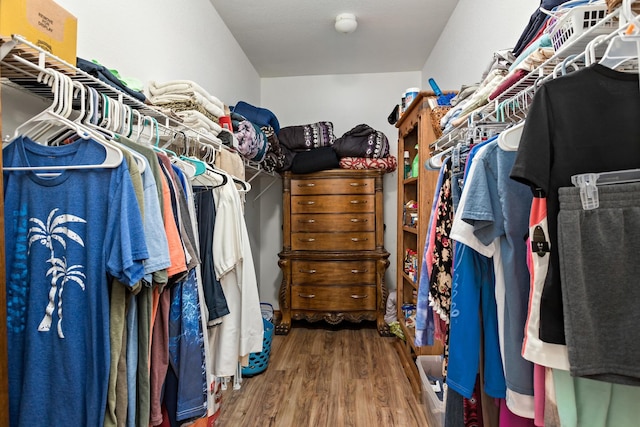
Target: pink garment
x: 509, y: 419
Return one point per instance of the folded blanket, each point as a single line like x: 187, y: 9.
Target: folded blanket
x: 362, y: 141
x: 275, y: 159
x: 256, y: 115
x: 196, y: 98
x: 317, y: 159
x: 196, y: 119
x: 389, y: 163
x: 252, y: 142
x: 305, y: 137
x: 182, y: 86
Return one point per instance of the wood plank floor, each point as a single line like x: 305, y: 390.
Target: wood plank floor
x: 322, y: 375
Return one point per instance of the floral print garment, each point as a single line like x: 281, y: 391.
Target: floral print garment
x: 442, y: 266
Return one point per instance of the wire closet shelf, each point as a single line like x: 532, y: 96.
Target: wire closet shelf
x: 21, y: 62
x: 511, y: 105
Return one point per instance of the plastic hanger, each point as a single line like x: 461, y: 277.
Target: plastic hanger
x: 113, y: 157
x: 589, y: 182
x: 625, y: 46
x: 436, y: 161
x: 245, y: 187
x: 33, y: 131
x: 199, y: 165
x: 509, y: 139
x: 51, y: 117
x: 619, y: 51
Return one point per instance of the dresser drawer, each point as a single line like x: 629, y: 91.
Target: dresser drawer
x: 332, y: 186
x: 317, y: 222
x: 333, y: 204
x: 333, y: 272
x: 333, y: 298
x: 353, y: 241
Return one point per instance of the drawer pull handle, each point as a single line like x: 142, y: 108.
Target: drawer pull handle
x: 359, y: 271
x: 307, y: 221
x: 356, y: 239
x: 307, y: 271
x: 307, y: 296
x: 357, y: 202
x: 359, y: 220
x: 358, y: 184
x: 310, y: 184
x: 359, y: 296
x: 307, y: 203
x: 311, y: 239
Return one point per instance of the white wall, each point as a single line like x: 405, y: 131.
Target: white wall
x: 475, y: 30
x: 166, y: 40
x: 346, y: 101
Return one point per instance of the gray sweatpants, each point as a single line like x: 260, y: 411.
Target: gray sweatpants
x: 599, y: 254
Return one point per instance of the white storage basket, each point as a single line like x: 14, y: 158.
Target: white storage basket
x: 576, y: 21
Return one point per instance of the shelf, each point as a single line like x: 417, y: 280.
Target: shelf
x: 407, y: 278
x: 21, y: 62
x: 409, y: 229
x: 410, y: 336
x: 412, y: 180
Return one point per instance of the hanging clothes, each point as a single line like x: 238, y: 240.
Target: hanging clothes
x: 242, y: 330
x: 64, y: 233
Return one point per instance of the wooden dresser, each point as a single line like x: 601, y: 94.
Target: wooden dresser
x: 333, y: 261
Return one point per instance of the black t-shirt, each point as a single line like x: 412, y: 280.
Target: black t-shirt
x: 587, y: 121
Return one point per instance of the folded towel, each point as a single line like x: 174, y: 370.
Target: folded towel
x: 196, y: 98
x: 196, y: 119
x: 182, y: 86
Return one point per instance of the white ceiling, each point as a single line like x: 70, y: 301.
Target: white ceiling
x: 285, y: 38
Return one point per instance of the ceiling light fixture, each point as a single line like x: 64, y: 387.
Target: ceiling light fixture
x: 346, y: 23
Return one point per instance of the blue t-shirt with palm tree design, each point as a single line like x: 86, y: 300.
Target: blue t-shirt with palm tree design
x: 66, y: 234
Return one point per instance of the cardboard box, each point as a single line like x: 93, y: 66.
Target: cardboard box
x: 43, y: 23
x: 433, y: 406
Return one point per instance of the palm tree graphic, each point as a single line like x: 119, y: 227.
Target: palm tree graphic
x: 55, y: 230
x: 60, y: 270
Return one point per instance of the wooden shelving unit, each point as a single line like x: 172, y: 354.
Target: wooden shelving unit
x: 414, y: 129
